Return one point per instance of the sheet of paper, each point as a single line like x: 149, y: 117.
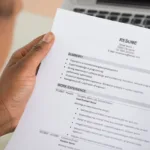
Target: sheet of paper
x: 92, y: 90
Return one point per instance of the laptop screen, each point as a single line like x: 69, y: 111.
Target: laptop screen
x: 128, y: 2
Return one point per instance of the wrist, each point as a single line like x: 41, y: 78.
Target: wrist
x: 5, y: 120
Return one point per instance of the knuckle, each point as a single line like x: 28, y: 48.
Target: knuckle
x: 22, y: 65
x: 38, y: 47
x: 12, y: 58
x: 14, y: 54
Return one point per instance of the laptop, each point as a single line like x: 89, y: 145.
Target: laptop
x: 135, y: 12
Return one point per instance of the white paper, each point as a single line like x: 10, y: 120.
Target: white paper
x: 92, y: 91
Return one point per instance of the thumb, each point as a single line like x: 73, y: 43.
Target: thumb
x: 38, y: 52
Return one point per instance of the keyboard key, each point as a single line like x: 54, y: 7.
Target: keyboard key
x: 92, y: 11
x: 148, y: 17
x: 139, y: 16
x: 124, y: 20
x: 104, y: 12
x: 136, y: 21
x: 115, y: 13
x: 126, y: 15
x: 147, y: 22
x: 113, y: 18
x: 101, y: 16
x: 148, y: 27
x: 79, y: 10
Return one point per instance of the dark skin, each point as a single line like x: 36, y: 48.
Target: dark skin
x: 19, y: 77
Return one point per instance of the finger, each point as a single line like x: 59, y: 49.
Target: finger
x: 29, y: 46
x: 38, y: 52
x: 22, y: 52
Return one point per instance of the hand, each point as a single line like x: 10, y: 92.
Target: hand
x: 18, y: 81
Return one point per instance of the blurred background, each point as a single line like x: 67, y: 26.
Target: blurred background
x: 34, y: 20
x: 49, y: 6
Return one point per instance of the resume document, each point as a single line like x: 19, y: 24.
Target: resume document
x: 92, y: 90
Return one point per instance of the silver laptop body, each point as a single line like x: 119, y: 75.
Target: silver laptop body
x: 136, y: 12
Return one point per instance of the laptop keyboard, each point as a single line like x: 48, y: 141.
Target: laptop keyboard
x: 137, y: 20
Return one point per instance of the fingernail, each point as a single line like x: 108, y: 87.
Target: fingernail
x: 48, y: 37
